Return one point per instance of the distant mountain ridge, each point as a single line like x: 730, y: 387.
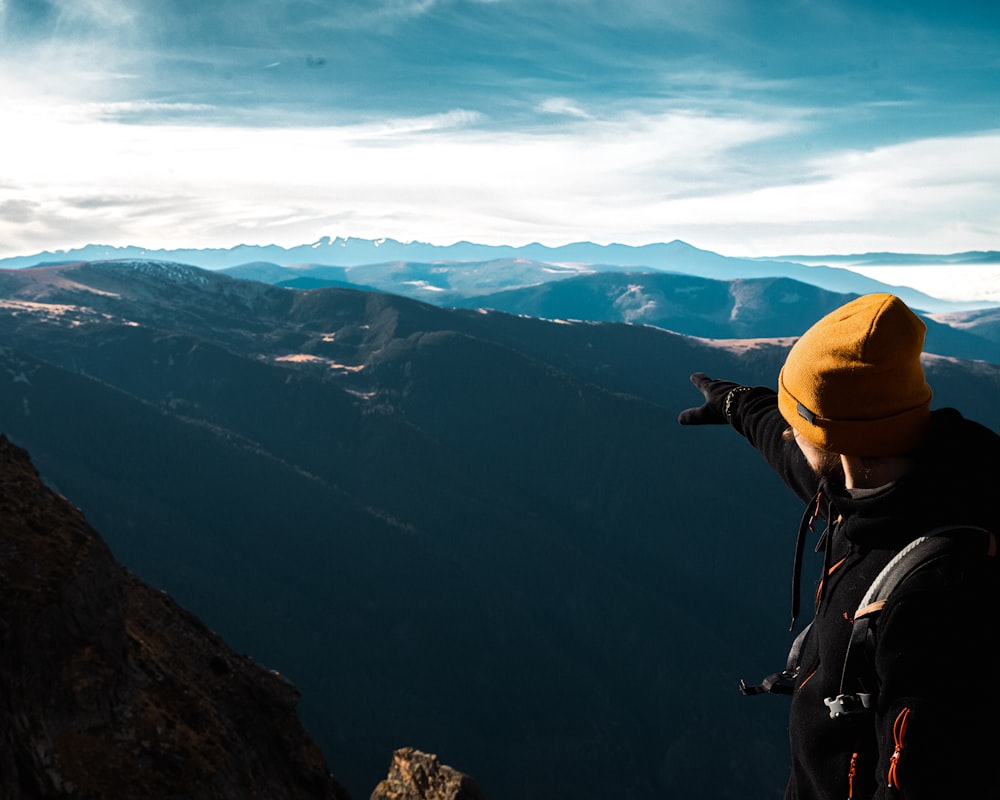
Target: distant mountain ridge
x: 704, y: 307
x: 675, y: 256
x: 352, y: 251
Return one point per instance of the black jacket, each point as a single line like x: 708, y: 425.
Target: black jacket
x: 935, y: 730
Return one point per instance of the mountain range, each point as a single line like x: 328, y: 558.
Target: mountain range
x: 477, y: 533
x: 434, y: 273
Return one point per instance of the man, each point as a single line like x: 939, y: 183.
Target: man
x: 851, y: 432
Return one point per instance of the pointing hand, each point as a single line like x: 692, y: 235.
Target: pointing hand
x: 713, y: 410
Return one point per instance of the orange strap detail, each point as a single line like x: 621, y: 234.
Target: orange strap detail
x: 806, y: 679
x: 871, y: 608
x: 898, y: 737
x: 830, y: 571
x: 851, y: 772
x: 819, y: 589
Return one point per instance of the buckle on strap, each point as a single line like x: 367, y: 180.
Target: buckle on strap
x: 846, y: 705
x: 782, y: 682
x: 777, y: 683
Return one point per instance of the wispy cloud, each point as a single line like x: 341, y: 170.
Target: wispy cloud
x: 633, y: 177
x: 94, y: 14
x: 454, y: 119
x: 935, y: 195
x: 407, y: 173
x: 562, y: 106
x: 142, y: 110
x: 348, y: 14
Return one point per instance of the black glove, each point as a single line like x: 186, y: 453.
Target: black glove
x: 713, y: 411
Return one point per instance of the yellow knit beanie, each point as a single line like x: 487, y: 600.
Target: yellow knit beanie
x: 853, y: 383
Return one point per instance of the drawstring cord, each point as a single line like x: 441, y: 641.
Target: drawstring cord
x: 852, y: 772
x: 827, y: 553
x: 899, y: 738
x: 806, y: 524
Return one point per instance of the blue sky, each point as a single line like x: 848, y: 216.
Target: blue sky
x: 749, y: 128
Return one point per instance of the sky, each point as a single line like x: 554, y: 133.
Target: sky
x: 756, y: 128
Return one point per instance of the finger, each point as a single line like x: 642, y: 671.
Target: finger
x: 691, y: 416
x: 701, y: 382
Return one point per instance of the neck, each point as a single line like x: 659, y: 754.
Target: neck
x: 870, y: 473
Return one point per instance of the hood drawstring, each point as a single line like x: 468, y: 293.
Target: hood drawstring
x: 807, y: 524
x: 824, y: 543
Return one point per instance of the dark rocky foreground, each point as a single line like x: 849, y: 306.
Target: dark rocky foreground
x: 109, y: 689
x: 420, y: 776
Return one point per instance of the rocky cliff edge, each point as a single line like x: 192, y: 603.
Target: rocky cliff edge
x: 108, y: 689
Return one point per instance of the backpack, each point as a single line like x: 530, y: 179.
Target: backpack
x: 858, y: 670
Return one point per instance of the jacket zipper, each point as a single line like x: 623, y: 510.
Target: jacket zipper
x: 899, y: 740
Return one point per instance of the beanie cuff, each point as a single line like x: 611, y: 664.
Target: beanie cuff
x: 885, y: 436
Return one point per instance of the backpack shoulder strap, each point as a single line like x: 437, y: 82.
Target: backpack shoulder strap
x: 917, y: 555
x: 781, y: 682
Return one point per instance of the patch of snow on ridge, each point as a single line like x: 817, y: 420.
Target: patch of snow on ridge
x: 635, y: 304
x: 427, y: 287
x: 309, y: 358
x: 174, y: 272
x: 560, y: 268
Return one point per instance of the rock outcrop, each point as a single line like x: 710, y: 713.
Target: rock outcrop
x: 108, y: 689
x: 420, y: 776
